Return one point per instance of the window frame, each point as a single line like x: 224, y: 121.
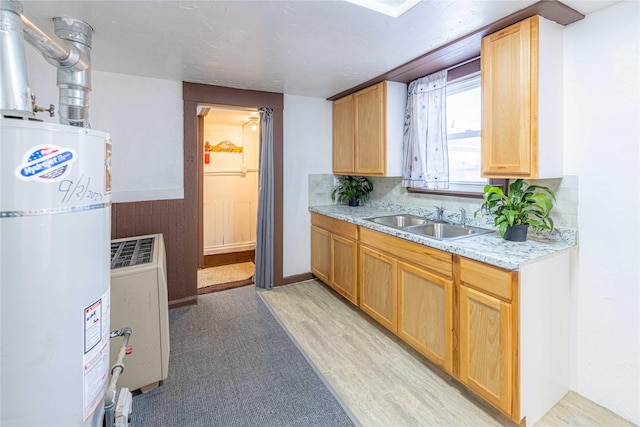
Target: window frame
x: 462, y: 71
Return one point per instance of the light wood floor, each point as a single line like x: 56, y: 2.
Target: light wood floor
x: 386, y: 383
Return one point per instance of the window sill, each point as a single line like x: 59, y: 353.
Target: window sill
x: 472, y: 191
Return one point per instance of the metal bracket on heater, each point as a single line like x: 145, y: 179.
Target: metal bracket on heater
x: 110, y: 398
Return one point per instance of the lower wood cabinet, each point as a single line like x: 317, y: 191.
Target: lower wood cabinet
x: 502, y: 333
x: 320, y: 253
x: 344, y: 257
x: 487, y: 329
x: 408, y: 288
x: 378, y: 287
x: 425, y: 313
x: 334, y: 254
x: 485, y: 346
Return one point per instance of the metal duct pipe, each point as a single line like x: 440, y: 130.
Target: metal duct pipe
x: 74, y: 82
x: 15, y: 95
x: 62, y: 55
x: 72, y: 56
x: 70, y: 52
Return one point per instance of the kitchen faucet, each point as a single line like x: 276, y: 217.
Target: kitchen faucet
x: 463, y: 218
x: 439, y: 212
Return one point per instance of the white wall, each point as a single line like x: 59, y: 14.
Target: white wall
x: 230, y: 197
x: 143, y: 116
x: 602, y: 137
x: 307, y: 150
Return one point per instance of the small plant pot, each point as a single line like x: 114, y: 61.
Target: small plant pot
x: 354, y: 202
x: 516, y: 233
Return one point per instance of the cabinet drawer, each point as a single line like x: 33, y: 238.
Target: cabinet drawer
x: 493, y: 280
x: 336, y: 226
x: 435, y: 260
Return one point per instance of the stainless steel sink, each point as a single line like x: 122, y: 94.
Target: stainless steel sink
x: 399, y: 221
x: 421, y: 226
x: 443, y: 231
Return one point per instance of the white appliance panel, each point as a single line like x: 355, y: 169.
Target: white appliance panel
x: 139, y: 300
x: 55, y: 226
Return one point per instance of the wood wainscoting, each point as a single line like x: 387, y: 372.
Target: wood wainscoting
x: 166, y: 217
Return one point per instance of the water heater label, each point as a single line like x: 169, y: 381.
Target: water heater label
x: 96, y: 353
x: 48, y: 163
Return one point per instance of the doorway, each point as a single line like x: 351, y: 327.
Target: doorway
x: 191, y: 210
x: 230, y: 163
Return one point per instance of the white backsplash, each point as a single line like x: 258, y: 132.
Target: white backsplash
x: 389, y: 190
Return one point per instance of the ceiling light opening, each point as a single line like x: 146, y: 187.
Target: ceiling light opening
x: 392, y: 8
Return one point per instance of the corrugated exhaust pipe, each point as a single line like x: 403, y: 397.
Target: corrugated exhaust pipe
x: 70, y: 52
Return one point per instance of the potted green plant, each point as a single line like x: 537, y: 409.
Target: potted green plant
x: 353, y: 189
x: 524, y: 206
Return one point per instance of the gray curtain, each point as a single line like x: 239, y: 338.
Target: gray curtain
x: 263, y: 276
x: 426, y: 157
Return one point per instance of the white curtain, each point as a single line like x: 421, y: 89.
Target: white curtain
x: 263, y: 276
x: 426, y: 159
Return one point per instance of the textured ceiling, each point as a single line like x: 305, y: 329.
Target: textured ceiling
x: 310, y: 48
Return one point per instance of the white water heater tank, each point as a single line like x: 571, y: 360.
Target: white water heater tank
x: 55, y: 226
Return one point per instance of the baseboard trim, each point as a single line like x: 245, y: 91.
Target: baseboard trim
x: 190, y: 300
x: 229, y: 258
x: 296, y: 278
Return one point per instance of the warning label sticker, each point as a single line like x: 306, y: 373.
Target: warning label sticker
x: 96, y: 354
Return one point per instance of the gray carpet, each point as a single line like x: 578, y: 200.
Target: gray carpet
x: 232, y: 364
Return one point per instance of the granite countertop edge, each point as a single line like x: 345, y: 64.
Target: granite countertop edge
x: 488, y: 248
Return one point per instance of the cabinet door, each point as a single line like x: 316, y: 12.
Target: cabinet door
x: 370, y: 148
x: 425, y: 313
x: 484, y: 340
x: 344, y: 257
x: 343, y: 136
x: 378, y: 287
x: 320, y: 253
x: 509, y: 102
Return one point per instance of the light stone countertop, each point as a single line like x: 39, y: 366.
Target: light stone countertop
x: 488, y: 248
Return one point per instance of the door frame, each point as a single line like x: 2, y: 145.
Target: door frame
x: 203, y: 111
x: 194, y: 94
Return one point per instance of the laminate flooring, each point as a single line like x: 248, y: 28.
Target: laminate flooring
x: 386, y: 383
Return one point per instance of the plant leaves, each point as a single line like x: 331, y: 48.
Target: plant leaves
x: 524, y: 204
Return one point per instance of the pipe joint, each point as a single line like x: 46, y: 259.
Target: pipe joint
x: 74, y: 60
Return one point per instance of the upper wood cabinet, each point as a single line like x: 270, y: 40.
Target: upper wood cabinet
x: 368, y: 131
x: 343, y: 134
x: 522, y: 101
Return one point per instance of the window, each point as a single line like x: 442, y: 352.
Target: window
x: 464, y: 123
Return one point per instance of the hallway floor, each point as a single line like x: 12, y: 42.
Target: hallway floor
x: 225, y: 277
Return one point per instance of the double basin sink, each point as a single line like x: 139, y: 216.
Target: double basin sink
x: 424, y: 227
